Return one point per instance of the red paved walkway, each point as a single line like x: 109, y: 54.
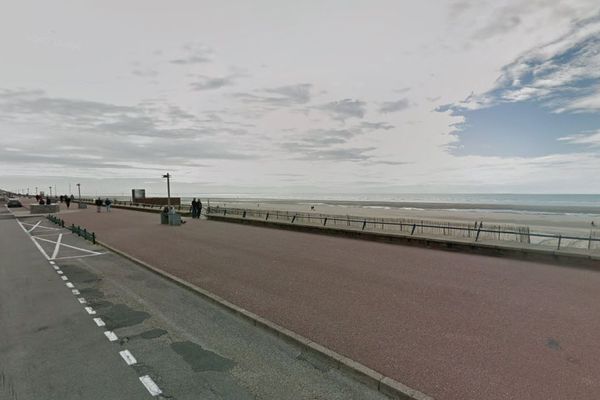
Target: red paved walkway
x: 454, y: 326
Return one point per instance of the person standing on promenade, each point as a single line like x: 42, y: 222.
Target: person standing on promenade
x: 68, y: 201
x: 98, y: 204
x: 107, y: 203
x: 199, y: 208
x: 194, y: 207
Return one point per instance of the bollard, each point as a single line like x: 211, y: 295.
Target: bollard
x: 78, y: 230
x: 244, y: 216
x: 93, y: 238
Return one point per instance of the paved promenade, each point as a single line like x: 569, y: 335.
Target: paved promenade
x: 452, y: 325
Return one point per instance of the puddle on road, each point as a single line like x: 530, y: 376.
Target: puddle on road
x: 201, y: 360
x: 121, y: 315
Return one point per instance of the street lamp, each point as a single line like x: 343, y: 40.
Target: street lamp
x: 168, y: 176
x: 50, y: 187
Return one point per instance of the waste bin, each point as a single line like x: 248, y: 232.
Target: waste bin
x: 174, y: 218
x: 164, y: 216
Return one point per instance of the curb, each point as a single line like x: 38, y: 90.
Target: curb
x: 355, y: 370
x: 559, y: 257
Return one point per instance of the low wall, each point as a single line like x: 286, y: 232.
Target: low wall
x: 44, y: 209
x: 161, y: 201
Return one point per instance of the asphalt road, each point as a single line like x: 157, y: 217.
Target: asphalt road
x: 51, y: 347
x: 451, y: 325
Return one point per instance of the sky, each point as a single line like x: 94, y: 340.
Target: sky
x: 281, y: 97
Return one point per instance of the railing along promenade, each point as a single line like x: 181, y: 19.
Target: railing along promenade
x: 476, y: 232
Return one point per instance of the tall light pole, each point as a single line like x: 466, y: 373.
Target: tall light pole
x: 168, y: 176
x: 79, y: 190
x: 50, y: 187
x: 36, y: 192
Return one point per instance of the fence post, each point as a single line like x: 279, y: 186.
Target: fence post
x: 293, y: 219
x: 559, y: 240
x: 267, y: 217
x: 590, y: 242
x: 413, y: 229
x: 78, y: 230
x: 478, y: 231
x: 93, y: 238
x: 244, y: 215
x: 325, y: 222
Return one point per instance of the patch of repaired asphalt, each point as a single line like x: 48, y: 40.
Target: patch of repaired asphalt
x: 200, y: 359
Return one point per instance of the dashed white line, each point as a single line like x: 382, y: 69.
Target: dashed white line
x: 64, y: 278
x: 70, y: 285
x: 52, y: 263
x: 150, y: 385
x: 90, y: 310
x: 58, y: 271
x: 81, y: 300
x: 75, y: 292
x: 57, y: 247
x: 55, y: 267
x: 111, y: 336
x: 128, y: 357
x: 99, y: 321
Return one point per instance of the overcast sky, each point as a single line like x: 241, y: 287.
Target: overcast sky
x: 278, y: 97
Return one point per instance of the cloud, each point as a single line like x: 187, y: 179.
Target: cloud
x: 194, y: 54
x: 282, y: 96
x: 298, y: 94
x: 208, y: 83
x: 145, y: 73
x: 591, y: 139
x: 376, y: 125
x: 344, y: 109
x: 563, y: 75
x: 394, y: 106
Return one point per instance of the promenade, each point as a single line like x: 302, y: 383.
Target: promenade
x: 451, y: 325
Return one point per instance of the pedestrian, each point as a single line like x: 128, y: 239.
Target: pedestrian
x: 194, y: 207
x: 107, y: 203
x: 199, y: 208
x: 98, y: 204
x: 48, y: 201
x: 68, y: 201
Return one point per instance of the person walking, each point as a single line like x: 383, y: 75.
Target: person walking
x: 68, y: 201
x: 199, y: 208
x: 98, y: 204
x: 194, y: 207
x: 107, y: 203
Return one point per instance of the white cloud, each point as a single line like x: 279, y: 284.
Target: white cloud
x: 591, y: 139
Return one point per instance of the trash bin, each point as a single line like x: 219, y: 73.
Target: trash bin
x: 164, y: 216
x: 174, y: 218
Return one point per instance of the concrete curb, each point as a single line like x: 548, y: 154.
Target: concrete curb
x: 560, y: 257
x: 357, y: 371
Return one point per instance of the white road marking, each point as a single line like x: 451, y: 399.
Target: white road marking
x: 58, y: 271
x: 57, y: 247
x: 70, y: 285
x: 75, y: 292
x: 40, y: 226
x: 34, y: 226
x: 64, y: 278
x: 69, y: 246
x: 87, y: 255
x: 111, y: 336
x: 150, y: 385
x: 52, y: 262
x: 99, y: 321
x: 128, y: 357
x: 56, y: 267
x: 81, y: 300
x: 90, y: 310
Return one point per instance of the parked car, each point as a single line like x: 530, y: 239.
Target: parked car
x: 13, y: 203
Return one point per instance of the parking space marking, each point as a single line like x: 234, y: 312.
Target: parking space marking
x: 75, y: 292
x: 64, y: 278
x: 56, y: 267
x: 110, y: 335
x: 150, y: 385
x: 128, y: 357
x: 52, y: 263
x: 90, y: 310
x: 81, y: 300
x: 70, y: 285
x: 57, y: 247
x: 35, y: 226
x: 58, y: 271
x: 99, y: 322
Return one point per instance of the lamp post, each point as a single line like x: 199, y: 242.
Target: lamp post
x: 36, y: 191
x: 168, y: 176
x: 50, y: 187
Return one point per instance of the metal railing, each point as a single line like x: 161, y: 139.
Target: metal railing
x: 82, y: 232
x: 476, y: 232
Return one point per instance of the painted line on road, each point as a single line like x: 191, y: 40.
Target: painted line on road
x: 56, y: 267
x: 33, y: 240
x: 128, y: 357
x: 64, y: 278
x: 52, y: 262
x: 69, y: 246
x: 34, y: 226
x: 81, y: 300
x: 150, y: 385
x: 111, y: 336
x: 75, y: 292
x: 70, y: 285
x: 99, y: 322
x: 57, y: 247
x: 90, y: 310
x: 87, y: 255
x: 58, y: 271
